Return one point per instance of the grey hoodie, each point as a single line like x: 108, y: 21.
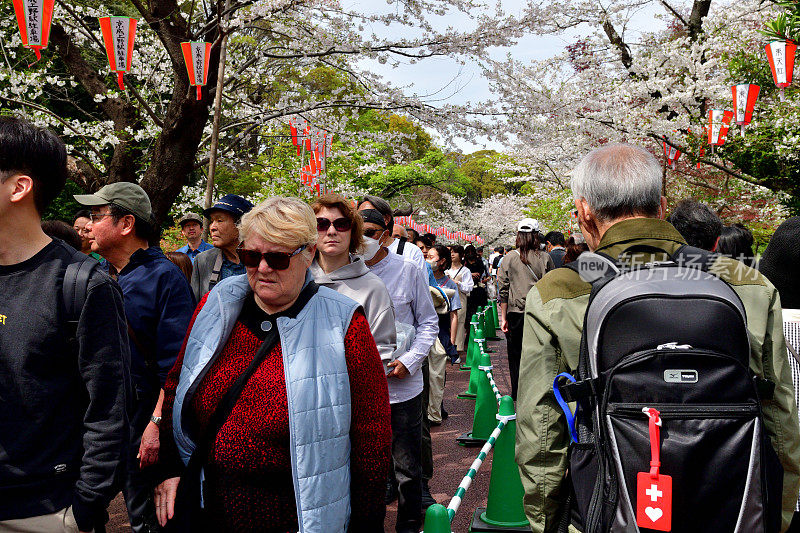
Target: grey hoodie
x: 356, y: 281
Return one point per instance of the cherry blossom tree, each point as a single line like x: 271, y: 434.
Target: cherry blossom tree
x: 279, y: 52
x: 617, y: 85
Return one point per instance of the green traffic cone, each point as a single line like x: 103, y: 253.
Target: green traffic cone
x: 484, y: 421
x: 473, y: 326
x: 504, y: 506
x: 437, y: 520
x: 472, y: 390
x: 496, y: 316
x: 488, y: 329
x: 492, y: 331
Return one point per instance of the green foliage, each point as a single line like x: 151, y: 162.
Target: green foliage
x: 487, y: 176
x: 786, y: 26
x: 64, y: 206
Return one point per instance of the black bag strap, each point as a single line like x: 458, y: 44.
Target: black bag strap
x: 215, y: 271
x: 793, y: 351
x: 223, y: 410
x: 76, y: 285
x: 401, y: 245
x: 692, y: 256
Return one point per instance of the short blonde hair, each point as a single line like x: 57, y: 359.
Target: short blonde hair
x: 280, y: 220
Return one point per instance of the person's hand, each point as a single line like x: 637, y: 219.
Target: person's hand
x: 476, y: 275
x: 148, y: 449
x: 164, y: 499
x: 503, y: 325
x: 399, y: 370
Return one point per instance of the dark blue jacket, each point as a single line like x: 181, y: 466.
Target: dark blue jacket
x: 159, y: 305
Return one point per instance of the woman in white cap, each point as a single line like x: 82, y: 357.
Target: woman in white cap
x: 520, y: 270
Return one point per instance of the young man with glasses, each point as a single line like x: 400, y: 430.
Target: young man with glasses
x: 64, y: 383
x: 212, y: 266
x: 158, y: 306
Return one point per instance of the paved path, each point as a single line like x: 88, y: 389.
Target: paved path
x: 451, y: 461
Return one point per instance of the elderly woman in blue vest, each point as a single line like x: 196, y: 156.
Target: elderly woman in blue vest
x: 278, y: 400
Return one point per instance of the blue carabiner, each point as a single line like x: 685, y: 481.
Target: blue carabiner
x: 564, y: 407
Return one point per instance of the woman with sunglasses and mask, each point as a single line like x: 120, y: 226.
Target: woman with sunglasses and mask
x: 278, y: 400
x: 340, y: 231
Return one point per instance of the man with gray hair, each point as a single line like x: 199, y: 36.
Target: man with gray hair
x: 617, y: 192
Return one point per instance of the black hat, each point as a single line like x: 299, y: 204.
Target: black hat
x: 231, y: 203
x: 374, y: 216
x: 781, y: 262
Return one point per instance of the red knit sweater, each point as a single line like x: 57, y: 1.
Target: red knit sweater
x: 250, y: 461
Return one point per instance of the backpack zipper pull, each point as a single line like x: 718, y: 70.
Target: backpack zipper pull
x: 674, y: 346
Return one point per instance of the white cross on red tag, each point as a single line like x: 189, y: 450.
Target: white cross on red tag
x: 653, y: 489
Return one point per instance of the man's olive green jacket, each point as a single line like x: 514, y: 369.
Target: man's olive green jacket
x: 554, y: 314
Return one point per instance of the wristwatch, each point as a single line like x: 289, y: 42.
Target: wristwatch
x: 155, y: 420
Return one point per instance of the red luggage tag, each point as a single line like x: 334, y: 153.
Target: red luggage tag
x: 654, y: 490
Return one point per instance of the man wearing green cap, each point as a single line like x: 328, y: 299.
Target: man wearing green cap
x: 159, y: 305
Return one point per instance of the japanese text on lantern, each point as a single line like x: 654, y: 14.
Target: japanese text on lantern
x: 199, y: 66
x: 741, y: 102
x: 121, y: 43
x: 33, y: 21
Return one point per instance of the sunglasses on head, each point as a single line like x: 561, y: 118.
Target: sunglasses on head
x: 372, y: 232
x: 340, y: 224
x: 275, y: 260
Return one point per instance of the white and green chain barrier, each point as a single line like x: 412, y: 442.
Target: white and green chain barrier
x: 455, y: 502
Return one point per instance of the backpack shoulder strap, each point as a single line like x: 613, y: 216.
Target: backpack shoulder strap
x: 694, y: 257
x: 76, y: 285
x: 593, y: 267
x: 216, y: 270
x: 401, y: 245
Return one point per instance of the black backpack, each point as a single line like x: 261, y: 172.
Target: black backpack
x: 665, y: 396
x: 75, y: 288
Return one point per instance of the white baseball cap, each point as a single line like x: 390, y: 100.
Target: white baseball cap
x: 528, y: 225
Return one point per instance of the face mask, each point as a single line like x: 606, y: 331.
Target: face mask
x: 371, y: 247
x: 433, y: 264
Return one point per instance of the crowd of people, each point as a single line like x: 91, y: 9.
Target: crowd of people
x: 285, y: 375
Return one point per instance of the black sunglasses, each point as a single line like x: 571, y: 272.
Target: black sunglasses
x: 340, y: 224
x: 372, y: 232
x: 275, y: 260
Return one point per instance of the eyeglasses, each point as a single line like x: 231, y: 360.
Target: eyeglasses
x: 95, y: 216
x: 275, y: 260
x: 372, y: 232
x: 340, y: 224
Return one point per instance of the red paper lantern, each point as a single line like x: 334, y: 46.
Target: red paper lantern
x: 719, y: 121
x: 33, y: 19
x: 781, y: 62
x: 672, y: 154
x: 118, y: 36
x: 744, y: 100
x: 196, y: 55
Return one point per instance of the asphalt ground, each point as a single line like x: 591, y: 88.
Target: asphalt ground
x: 451, y: 461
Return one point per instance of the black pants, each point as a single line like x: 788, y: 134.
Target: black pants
x: 516, y: 322
x: 136, y: 484
x: 426, y: 449
x: 406, y: 439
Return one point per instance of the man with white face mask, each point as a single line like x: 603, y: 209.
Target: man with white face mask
x: 396, y: 245
x: 412, y: 305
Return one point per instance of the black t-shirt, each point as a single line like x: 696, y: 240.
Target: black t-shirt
x: 63, y: 420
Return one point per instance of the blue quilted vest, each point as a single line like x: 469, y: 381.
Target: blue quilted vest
x: 317, y: 390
